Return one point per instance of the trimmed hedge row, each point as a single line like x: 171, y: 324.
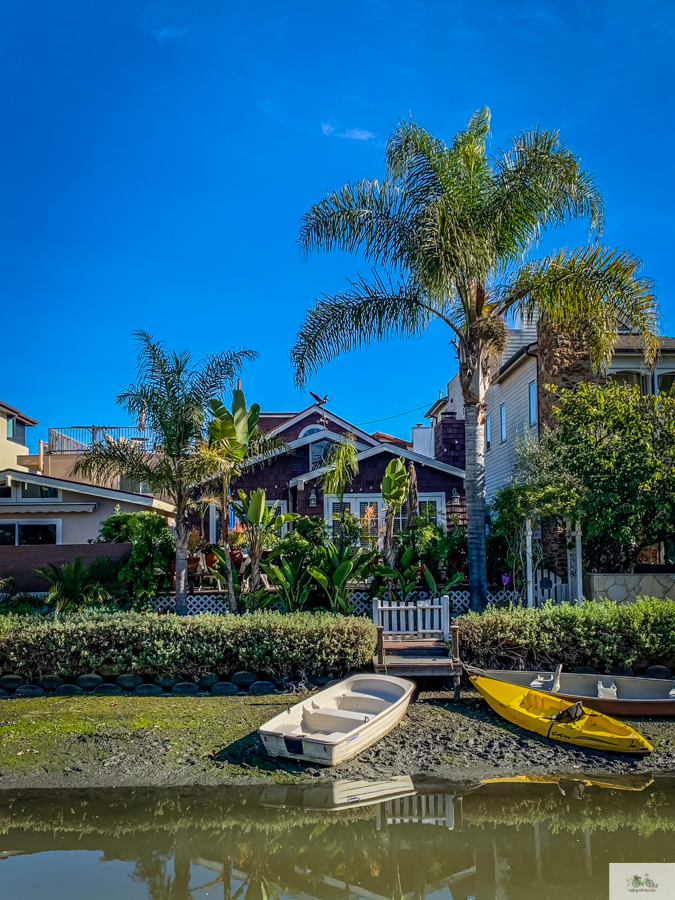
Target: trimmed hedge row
x: 595, y: 633
x: 146, y: 643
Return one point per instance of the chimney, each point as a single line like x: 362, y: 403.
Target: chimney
x: 449, y: 440
x: 422, y: 437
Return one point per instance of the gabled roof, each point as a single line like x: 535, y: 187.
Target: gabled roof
x: 395, y: 451
x: 20, y: 417
x: 92, y: 490
x: 385, y: 438
x: 322, y: 411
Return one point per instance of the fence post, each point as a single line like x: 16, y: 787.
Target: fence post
x: 580, y: 563
x: 528, y: 560
x: 376, y: 612
x: 445, y: 616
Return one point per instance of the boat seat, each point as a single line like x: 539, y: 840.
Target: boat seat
x: 607, y: 689
x: 330, y: 719
x: 362, y: 703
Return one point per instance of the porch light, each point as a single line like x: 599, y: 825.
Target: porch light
x: 312, y: 497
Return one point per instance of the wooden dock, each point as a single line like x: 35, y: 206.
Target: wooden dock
x: 418, y: 657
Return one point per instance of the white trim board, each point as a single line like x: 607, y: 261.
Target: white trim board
x: 385, y: 448
x: 321, y: 411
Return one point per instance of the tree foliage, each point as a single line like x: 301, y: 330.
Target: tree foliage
x: 146, y: 572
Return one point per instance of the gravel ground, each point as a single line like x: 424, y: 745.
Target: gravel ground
x: 132, y: 741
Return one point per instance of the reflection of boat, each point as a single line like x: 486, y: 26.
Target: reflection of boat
x: 341, y: 721
x: 613, y: 782
x: 338, y: 795
x: 615, y: 695
x: 553, y: 717
x: 425, y: 809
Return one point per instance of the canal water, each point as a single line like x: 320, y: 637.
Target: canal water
x: 549, y: 839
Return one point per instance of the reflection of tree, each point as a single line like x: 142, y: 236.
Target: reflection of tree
x: 151, y: 869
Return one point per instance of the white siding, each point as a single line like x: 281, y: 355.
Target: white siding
x: 513, y: 391
x: 517, y: 338
x: 455, y: 399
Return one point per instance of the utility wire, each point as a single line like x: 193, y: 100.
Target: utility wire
x: 398, y: 415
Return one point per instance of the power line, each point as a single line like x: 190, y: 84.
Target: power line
x: 398, y: 415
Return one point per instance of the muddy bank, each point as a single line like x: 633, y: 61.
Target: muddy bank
x: 146, y: 741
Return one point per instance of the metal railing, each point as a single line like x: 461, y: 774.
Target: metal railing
x: 77, y: 438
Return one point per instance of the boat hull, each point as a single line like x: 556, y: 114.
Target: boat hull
x: 582, y: 687
x: 281, y: 737
x: 533, y: 710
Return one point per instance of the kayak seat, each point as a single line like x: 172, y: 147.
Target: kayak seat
x: 329, y: 719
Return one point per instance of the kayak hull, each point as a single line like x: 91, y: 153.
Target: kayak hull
x: 534, y: 711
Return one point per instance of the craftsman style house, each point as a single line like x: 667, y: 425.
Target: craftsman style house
x: 293, y: 477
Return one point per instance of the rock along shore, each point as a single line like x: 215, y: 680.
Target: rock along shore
x: 101, y: 741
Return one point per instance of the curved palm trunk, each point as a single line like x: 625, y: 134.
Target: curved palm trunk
x: 475, y: 505
x: 255, y: 551
x: 182, y: 535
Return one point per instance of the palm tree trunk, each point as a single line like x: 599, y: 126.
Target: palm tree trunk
x: 225, y: 528
x: 388, y: 543
x: 475, y: 506
x: 255, y: 553
x: 182, y: 535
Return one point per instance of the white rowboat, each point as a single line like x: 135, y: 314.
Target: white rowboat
x: 335, y: 725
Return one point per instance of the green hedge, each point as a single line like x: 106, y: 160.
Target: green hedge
x: 146, y: 643
x: 595, y: 633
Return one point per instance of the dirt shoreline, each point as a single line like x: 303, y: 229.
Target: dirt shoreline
x: 96, y: 742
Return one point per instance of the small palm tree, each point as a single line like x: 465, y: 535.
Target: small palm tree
x: 342, y: 465
x: 451, y: 229
x: 172, y: 395
x: 235, y: 443
x: 75, y: 585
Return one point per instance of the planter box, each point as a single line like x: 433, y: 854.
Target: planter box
x: 627, y: 588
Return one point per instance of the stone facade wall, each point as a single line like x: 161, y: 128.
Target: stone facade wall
x: 627, y: 588
x: 562, y: 362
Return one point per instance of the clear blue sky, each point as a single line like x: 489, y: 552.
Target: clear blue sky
x: 157, y: 156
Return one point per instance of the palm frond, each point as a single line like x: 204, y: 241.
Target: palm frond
x: 368, y: 217
x: 539, y: 184
x: 369, y: 311
x: 104, y: 461
x: 590, y: 291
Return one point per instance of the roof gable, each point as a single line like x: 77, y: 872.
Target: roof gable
x: 337, y: 420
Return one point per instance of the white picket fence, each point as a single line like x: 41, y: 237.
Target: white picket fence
x: 557, y: 593
x: 428, y: 809
x: 421, y: 619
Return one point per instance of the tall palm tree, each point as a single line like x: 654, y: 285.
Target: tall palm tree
x: 172, y: 393
x: 342, y: 461
x: 449, y: 230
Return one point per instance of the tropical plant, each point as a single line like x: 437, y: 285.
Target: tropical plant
x: 339, y: 572
x: 456, y: 227
x: 8, y: 584
x: 260, y: 521
x: 172, y: 394
x: 225, y: 574
x: 146, y: 571
x: 75, y: 586
x: 293, y: 580
x: 442, y: 550
x: 394, y: 493
x: 342, y: 465
x: 234, y: 443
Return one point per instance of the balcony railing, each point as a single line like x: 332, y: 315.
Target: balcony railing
x: 77, y: 438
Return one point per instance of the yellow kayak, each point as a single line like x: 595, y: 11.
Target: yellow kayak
x: 613, y: 782
x: 559, y: 719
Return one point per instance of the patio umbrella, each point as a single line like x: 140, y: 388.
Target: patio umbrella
x: 413, y: 496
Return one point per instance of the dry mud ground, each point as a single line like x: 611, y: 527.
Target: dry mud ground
x: 95, y: 741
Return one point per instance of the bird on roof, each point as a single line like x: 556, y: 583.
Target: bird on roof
x: 320, y: 400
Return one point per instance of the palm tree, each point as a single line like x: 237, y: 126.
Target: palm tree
x: 74, y: 586
x: 450, y: 229
x: 172, y: 394
x: 235, y: 443
x: 342, y: 463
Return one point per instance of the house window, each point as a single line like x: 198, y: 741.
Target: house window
x: 311, y: 429
x: 28, y: 533
x: 5, y: 492
x: 502, y: 422
x: 532, y: 397
x: 38, y: 492
x: 16, y: 431
x: 368, y: 513
x: 487, y: 432
x: 666, y: 382
x: 401, y: 520
x: 11, y: 427
x: 317, y: 454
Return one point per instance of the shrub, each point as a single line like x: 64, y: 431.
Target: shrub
x: 280, y: 645
x: 599, y: 634
x: 146, y: 572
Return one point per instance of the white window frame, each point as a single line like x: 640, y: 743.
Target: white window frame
x: 488, y: 432
x: 532, y: 404
x: 282, y: 507
x: 15, y: 522
x: 315, y: 428
x: 16, y: 497
x: 353, y: 501
x: 502, y: 423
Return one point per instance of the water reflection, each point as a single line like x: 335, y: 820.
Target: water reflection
x: 504, y: 840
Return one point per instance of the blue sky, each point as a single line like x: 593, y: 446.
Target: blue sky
x: 159, y: 154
